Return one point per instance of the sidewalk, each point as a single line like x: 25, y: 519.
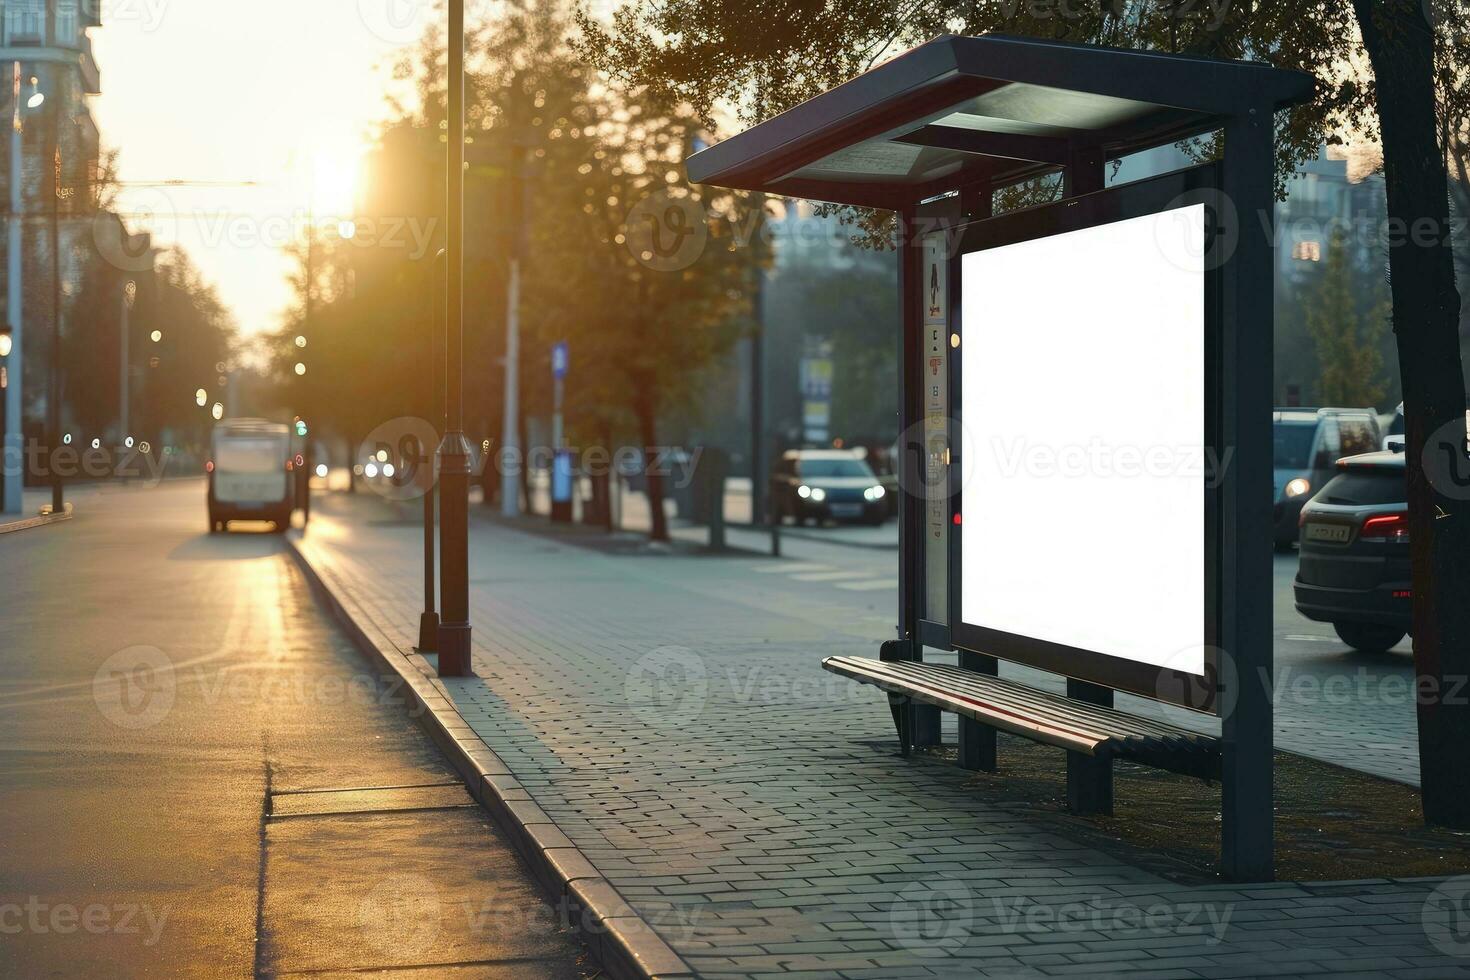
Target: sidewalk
x: 671, y: 717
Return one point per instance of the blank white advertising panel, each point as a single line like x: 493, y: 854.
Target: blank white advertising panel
x: 1083, y: 484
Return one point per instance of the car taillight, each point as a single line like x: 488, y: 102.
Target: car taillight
x: 1386, y: 526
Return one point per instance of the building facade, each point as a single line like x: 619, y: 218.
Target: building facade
x: 51, y: 185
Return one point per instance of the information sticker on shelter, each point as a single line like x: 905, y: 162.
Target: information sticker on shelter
x: 934, y: 285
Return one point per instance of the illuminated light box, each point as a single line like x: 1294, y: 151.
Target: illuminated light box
x: 1083, y: 492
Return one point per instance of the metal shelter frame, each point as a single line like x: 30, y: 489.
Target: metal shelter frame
x: 931, y: 135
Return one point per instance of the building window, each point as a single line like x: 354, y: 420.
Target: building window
x: 25, y: 20
x: 1307, y: 251
x: 66, y: 23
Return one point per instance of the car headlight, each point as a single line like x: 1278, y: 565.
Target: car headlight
x: 818, y: 494
x: 874, y: 493
x: 1298, y: 487
x: 803, y: 491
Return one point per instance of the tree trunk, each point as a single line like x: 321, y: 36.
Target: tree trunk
x: 1426, y: 309
x: 653, y: 475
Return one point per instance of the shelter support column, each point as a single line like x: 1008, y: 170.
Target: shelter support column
x: 1089, y: 778
x: 976, y: 739
x: 923, y: 718
x: 1242, y: 249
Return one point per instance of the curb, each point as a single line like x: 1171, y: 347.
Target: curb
x: 622, y: 941
x: 30, y: 522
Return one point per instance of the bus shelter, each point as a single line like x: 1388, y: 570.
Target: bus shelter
x: 1085, y: 407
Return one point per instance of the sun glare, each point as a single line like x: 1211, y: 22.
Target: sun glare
x: 334, y: 174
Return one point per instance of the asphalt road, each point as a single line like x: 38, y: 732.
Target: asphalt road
x: 185, y: 744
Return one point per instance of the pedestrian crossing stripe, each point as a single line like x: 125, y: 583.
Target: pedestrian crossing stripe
x: 870, y: 585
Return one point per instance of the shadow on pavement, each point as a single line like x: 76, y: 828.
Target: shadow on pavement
x: 243, y: 542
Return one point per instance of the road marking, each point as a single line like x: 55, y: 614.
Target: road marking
x: 829, y: 576
x: 868, y: 586
x: 785, y: 569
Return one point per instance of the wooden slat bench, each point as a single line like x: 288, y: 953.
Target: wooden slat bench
x: 1076, y: 726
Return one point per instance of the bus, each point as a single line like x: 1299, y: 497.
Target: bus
x: 249, y: 470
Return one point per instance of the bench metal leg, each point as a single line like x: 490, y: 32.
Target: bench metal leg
x: 922, y: 720
x: 977, y: 739
x: 893, y: 651
x: 1089, y: 778
x: 900, y: 706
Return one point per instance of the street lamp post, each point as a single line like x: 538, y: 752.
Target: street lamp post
x: 429, y: 617
x: 14, y: 434
x: 53, y: 396
x: 454, y: 450
x: 130, y: 292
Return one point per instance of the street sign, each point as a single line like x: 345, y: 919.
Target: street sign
x: 559, y: 360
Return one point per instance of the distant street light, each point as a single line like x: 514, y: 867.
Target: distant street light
x: 201, y: 397
x: 300, y: 368
x: 454, y: 448
x: 218, y: 411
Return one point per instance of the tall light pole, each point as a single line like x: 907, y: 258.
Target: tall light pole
x: 510, y: 481
x: 14, y: 435
x: 129, y: 294
x: 454, y: 450
x: 53, y: 395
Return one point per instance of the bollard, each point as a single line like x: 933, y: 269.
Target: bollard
x: 774, y: 520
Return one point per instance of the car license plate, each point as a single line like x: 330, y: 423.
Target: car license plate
x: 846, y: 510
x: 1333, y: 533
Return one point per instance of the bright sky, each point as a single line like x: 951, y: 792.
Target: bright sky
x: 281, y: 92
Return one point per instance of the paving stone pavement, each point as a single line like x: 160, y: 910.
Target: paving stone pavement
x: 671, y: 715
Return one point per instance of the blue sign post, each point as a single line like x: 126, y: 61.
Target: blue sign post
x: 561, y: 469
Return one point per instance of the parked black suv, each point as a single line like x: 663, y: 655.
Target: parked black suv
x: 1353, y: 569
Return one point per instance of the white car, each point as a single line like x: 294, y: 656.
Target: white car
x: 249, y: 471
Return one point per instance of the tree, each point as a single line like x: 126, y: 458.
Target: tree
x: 1413, y: 91
x: 196, y: 336
x: 1347, y: 337
x: 1412, y: 97
x: 641, y: 332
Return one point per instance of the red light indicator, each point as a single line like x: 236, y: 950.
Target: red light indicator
x: 1386, y: 526
x: 209, y: 466
x: 957, y: 520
